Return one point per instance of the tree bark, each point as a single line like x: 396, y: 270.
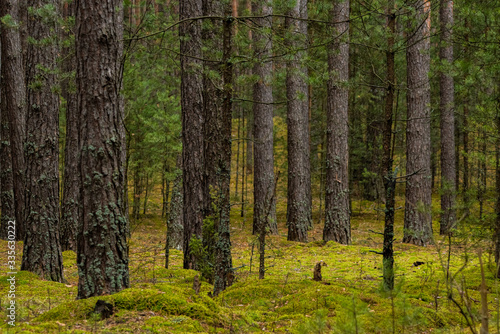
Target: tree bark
x: 299, y: 170
x: 192, y: 125
x: 71, y: 175
x: 6, y: 181
x: 102, y: 250
x: 263, y: 124
x: 14, y: 93
x: 337, y: 215
x: 417, y: 222
x: 446, y: 106
x: 175, y: 225
x: 387, y: 160
x: 42, y: 250
x: 223, y: 261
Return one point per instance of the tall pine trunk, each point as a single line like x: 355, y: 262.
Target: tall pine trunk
x: 14, y: 93
x: 71, y: 175
x: 223, y: 261
x: 263, y: 124
x: 299, y: 213
x: 192, y: 125
x: 337, y: 215
x: 417, y: 221
x: 42, y: 250
x: 446, y: 106
x: 175, y: 225
x: 387, y: 160
x: 102, y: 250
x: 6, y: 182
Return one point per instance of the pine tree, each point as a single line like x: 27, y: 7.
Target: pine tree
x: 102, y: 250
x: 417, y: 221
x: 42, y: 250
x: 447, y: 110
x: 337, y: 215
x: 14, y: 93
x: 299, y: 169
x: 263, y: 111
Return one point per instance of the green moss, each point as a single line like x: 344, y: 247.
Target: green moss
x: 166, y: 300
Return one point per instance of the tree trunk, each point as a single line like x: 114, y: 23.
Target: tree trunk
x: 446, y: 106
x: 175, y: 225
x: 192, y: 125
x: 146, y: 195
x: 136, y: 204
x: 263, y: 124
x: 250, y: 153
x: 71, y: 175
x: 299, y: 169
x: 6, y: 182
x: 42, y: 250
x: 212, y: 99
x: 223, y: 261
x: 337, y: 215
x: 387, y: 160
x: 417, y: 222
x: 14, y: 93
x: 102, y: 255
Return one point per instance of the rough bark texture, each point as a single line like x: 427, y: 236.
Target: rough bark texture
x: 337, y: 215
x: 192, y: 124
x: 299, y: 169
x: 175, y: 225
x: 446, y: 106
x: 223, y: 261
x: 263, y: 124
x: 387, y: 160
x: 212, y: 104
x: 417, y: 221
x: 14, y: 93
x: 102, y: 255
x: 71, y: 175
x: 42, y: 250
x: 6, y: 182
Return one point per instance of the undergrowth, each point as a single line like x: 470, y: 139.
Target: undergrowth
x: 348, y: 300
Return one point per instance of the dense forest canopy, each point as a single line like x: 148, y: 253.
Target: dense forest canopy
x: 234, y: 125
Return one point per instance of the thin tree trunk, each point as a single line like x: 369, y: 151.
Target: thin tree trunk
x: 71, y: 175
x: 243, y: 174
x: 299, y: 170
x: 102, y: 250
x: 136, y: 204
x: 175, y: 225
x: 417, y: 222
x: 337, y: 215
x: 447, y: 108
x: 14, y: 93
x: 249, y: 154
x: 387, y: 160
x: 238, y: 156
x: 192, y: 125
x: 223, y: 260
x: 146, y: 195
x: 482, y: 172
x: 263, y: 124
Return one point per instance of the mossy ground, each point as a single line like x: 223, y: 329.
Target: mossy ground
x: 349, y: 300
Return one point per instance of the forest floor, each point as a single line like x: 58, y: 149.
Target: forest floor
x: 348, y: 300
